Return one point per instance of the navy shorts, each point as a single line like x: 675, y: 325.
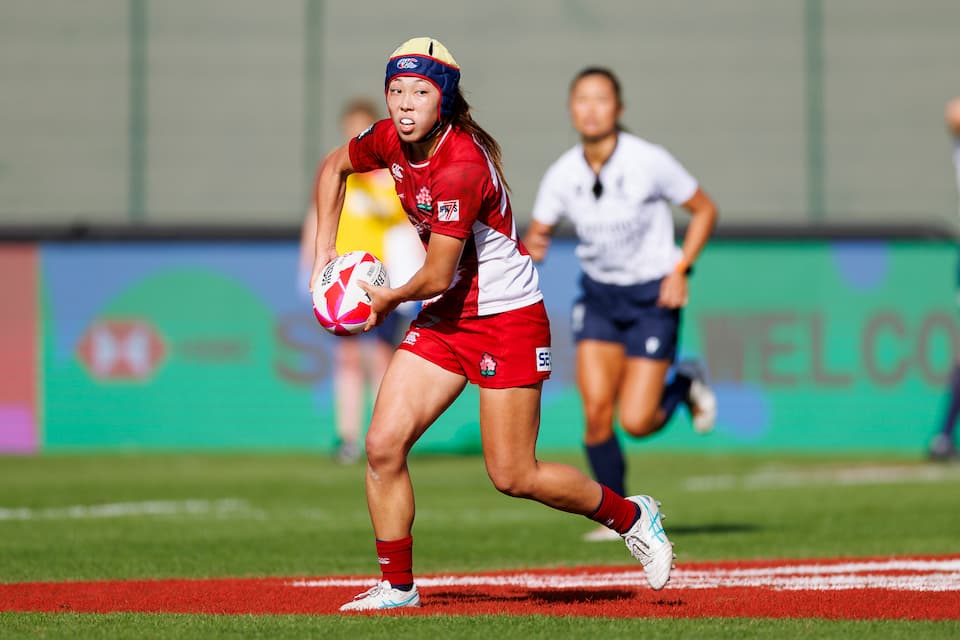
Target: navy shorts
x: 628, y: 315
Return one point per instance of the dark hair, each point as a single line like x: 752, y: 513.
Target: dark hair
x: 461, y: 118
x: 361, y: 105
x: 600, y: 71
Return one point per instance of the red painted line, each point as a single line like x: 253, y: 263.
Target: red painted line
x: 930, y: 590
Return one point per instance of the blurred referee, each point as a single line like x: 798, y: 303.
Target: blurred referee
x: 616, y: 189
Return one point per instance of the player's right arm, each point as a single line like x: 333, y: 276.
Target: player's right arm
x: 330, y: 188
x: 537, y: 239
x: 548, y: 208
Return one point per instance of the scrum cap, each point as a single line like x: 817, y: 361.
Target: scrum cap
x: 428, y: 59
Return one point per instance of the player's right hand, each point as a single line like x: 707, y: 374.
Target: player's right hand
x: 383, y: 300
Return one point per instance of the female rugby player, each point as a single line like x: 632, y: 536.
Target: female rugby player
x: 483, y: 321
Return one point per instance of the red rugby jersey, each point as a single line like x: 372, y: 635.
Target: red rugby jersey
x: 457, y: 192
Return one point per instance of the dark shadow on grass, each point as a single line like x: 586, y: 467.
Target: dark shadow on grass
x: 470, y: 597
x: 582, y: 596
x: 732, y: 527
x: 559, y: 596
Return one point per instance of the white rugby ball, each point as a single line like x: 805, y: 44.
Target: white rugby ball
x: 341, y: 306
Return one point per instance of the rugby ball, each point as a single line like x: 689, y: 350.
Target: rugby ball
x: 340, y: 305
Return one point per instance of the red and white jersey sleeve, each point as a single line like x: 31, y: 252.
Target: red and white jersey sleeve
x: 495, y: 273
x: 367, y: 149
x: 458, y: 198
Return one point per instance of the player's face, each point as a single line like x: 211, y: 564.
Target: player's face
x: 414, y: 106
x: 594, y: 108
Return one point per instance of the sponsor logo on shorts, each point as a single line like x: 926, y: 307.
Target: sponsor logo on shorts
x: 411, y: 337
x: 383, y: 560
x: 488, y: 365
x: 448, y: 210
x: 397, y: 172
x: 544, y: 359
x: 652, y: 344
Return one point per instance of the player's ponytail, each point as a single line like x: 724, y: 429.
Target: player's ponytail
x: 460, y: 117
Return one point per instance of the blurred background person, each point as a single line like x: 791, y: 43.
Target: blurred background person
x: 944, y: 445
x: 615, y: 189
x: 373, y: 221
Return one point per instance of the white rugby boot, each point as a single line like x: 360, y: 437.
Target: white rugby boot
x: 647, y: 542
x: 700, y: 398
x: 383, y: 596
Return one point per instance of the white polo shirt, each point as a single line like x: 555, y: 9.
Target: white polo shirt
x: 626, y: 235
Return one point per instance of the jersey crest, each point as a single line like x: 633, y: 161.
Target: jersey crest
x: 424, y: 199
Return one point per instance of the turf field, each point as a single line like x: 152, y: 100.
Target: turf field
x: 152, y: 518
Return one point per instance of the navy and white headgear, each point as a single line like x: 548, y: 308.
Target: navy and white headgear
x: 428, y: 59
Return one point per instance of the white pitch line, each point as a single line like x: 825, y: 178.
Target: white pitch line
x: 840, y: 476
x: 127, y: 509
x: 846, y: 567
x: 932, y: 575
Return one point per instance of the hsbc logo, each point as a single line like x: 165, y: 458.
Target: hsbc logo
x: 121, y: 350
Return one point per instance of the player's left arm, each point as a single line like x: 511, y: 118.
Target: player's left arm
x: 537, y: 240
x: 703, y: 212
x: 433, y: 278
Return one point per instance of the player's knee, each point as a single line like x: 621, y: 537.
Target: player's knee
x: 599, y: 420
x: 513, y: 483
x: 639, y: 423
x: 384, y: 451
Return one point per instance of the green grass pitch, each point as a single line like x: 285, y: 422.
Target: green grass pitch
x: 70, y: 517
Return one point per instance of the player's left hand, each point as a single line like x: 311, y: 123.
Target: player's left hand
x: 322, y: 259
x: 673, y: 291
x: 383, y: 300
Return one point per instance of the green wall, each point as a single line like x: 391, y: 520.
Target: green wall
x: 811, y: 346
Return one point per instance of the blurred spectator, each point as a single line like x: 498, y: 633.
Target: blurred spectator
x: 616, y: 188
x: 373, y: 221
x: 944, y: 445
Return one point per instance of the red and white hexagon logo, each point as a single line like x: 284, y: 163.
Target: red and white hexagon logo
x: 121, y: 350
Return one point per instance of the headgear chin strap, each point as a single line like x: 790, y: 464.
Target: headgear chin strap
x: 428, y: 59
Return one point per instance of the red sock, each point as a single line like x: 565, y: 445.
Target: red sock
x: 396, y: 560
x: 615, y: 512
